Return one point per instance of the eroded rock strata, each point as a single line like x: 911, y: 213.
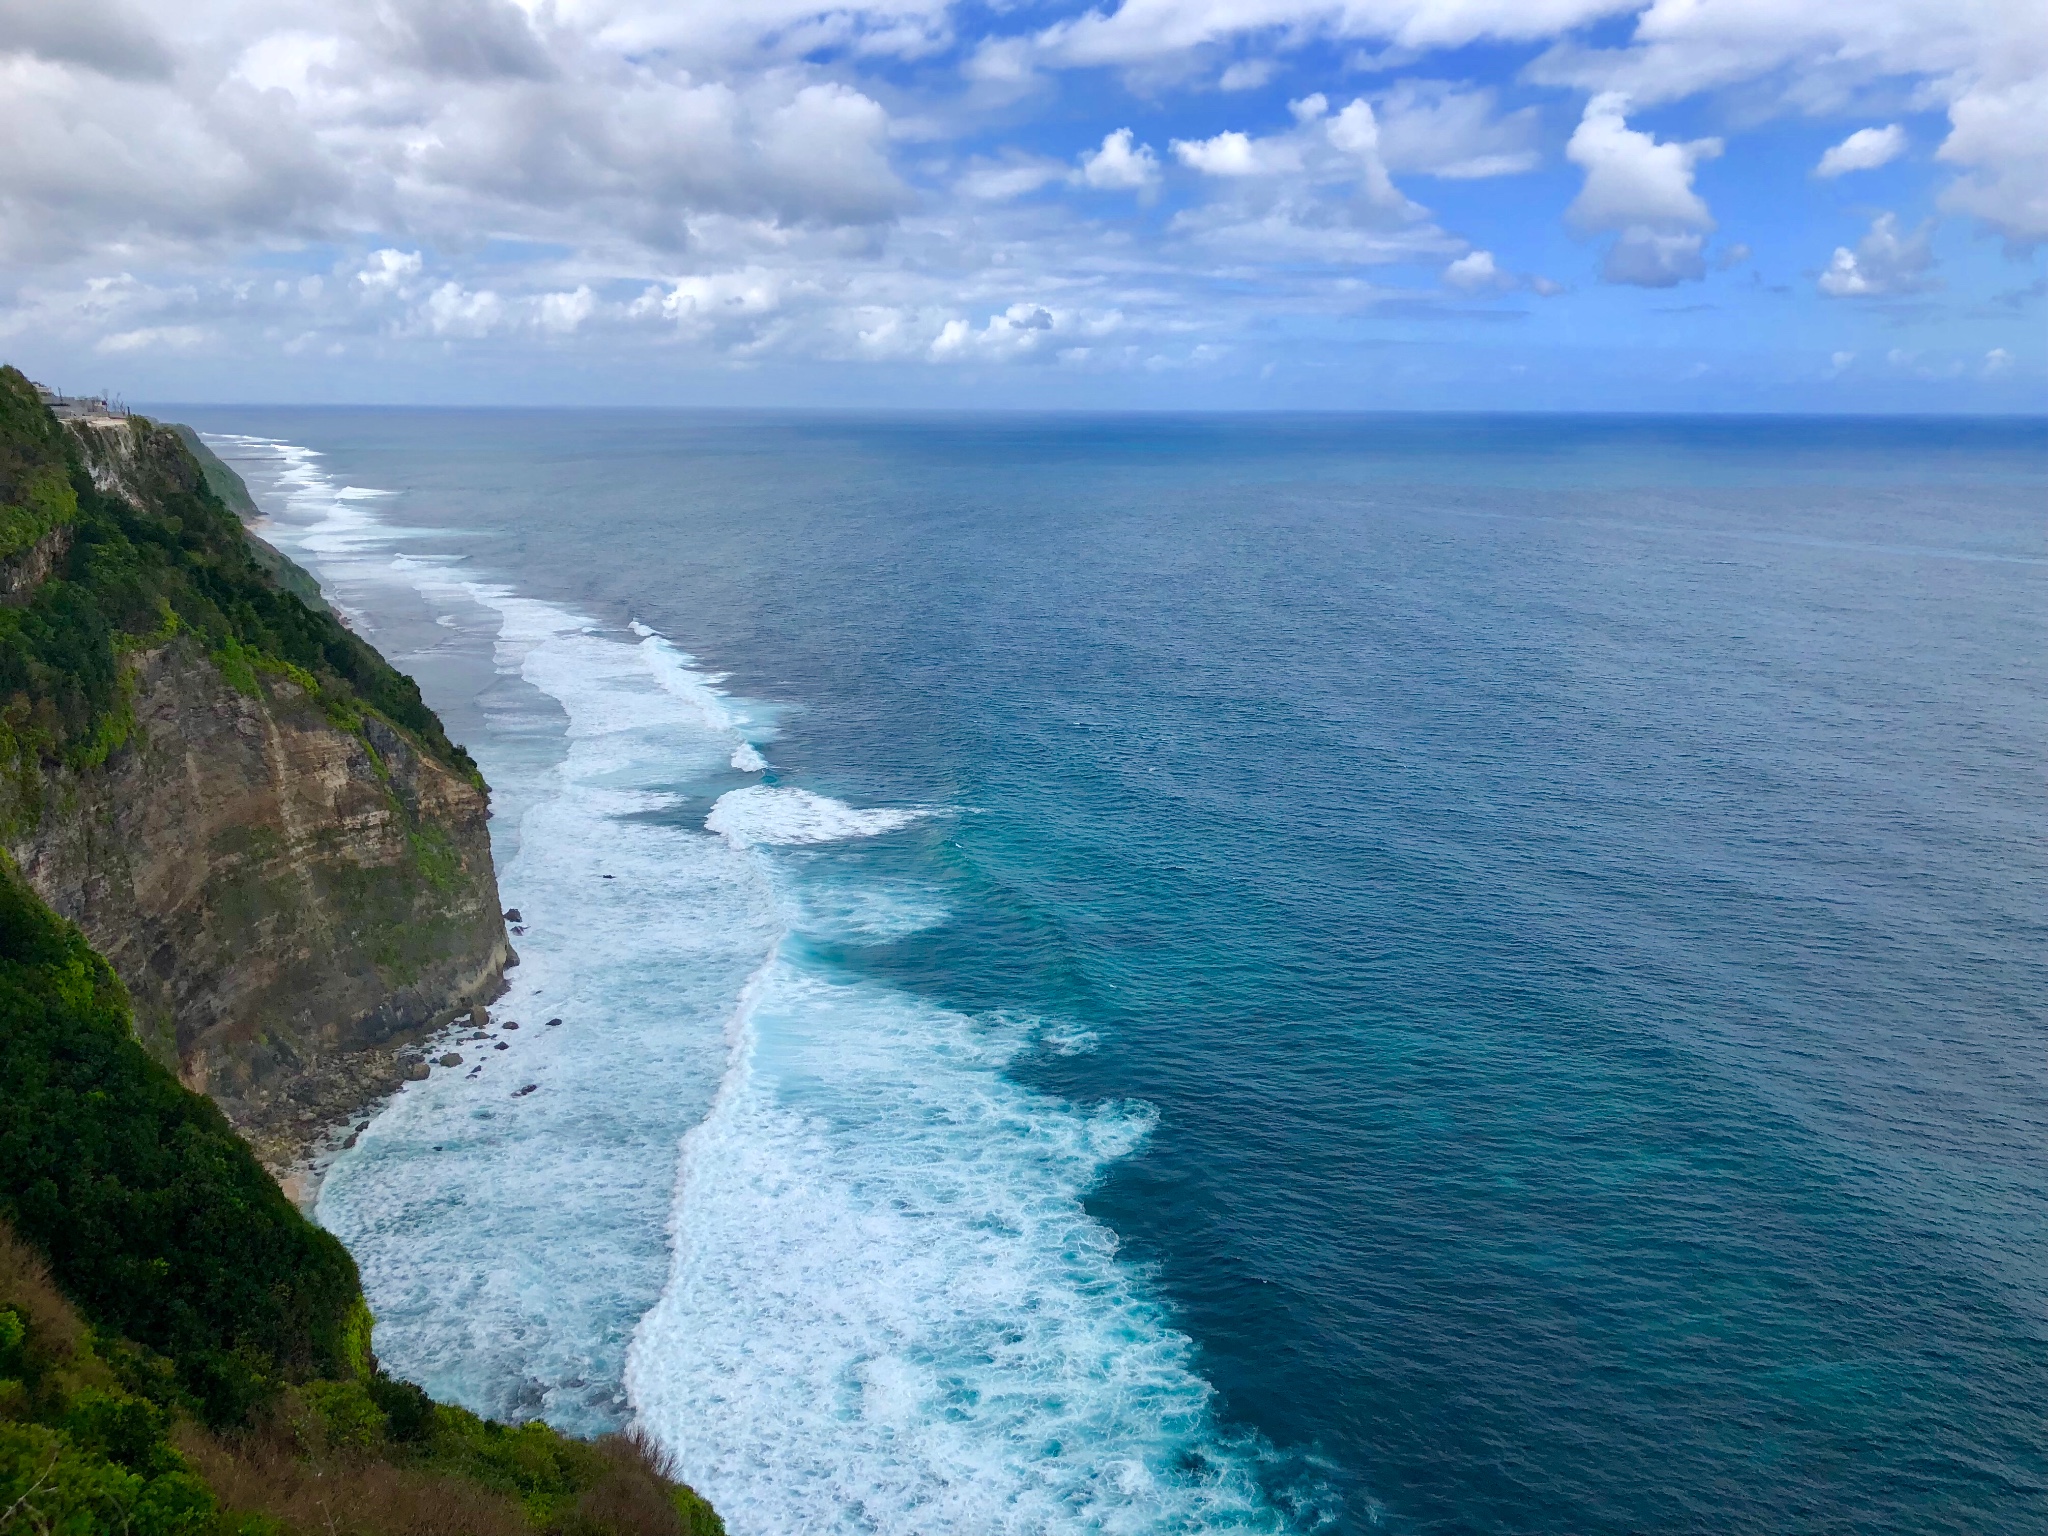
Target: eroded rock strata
x: 293, y: 884
x: 280, y: 895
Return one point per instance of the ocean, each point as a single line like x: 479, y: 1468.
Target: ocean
x: 1281, y: 974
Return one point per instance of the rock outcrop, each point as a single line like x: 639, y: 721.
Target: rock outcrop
x: 279, y: 895
x: 292, y: 884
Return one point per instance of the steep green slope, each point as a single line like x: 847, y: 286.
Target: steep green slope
x: 155, y: 1218
x: 36, y: 495
x: 253, y: 817
x: 181, y: 1352
x: 134, y: 576
x: 222, y: 1380
x: 234, y: 495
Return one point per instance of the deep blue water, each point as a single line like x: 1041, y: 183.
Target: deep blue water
x: 1543, y: 917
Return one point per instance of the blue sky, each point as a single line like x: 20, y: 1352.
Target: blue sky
x: 1323, y: 204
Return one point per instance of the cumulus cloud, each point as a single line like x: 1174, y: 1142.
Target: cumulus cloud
x: 1884, y: 262
x: 1025, y: 331
x: 709, y: 302
x: 390, y: 270
x: 563, y: 313
x: 2000, y: 138
x: 1232, y: 153
x: 752, y: 177
x: 1632, y: 178
x: 1641, y: 190
x: 1330, y: 147
x: 425, y: 120
x: 1477, y: 272
x: 1319, y: 191
x: 1121, y: 164
x: 1986, y: 63
x: 452, y: 310
x: 1864, y: 150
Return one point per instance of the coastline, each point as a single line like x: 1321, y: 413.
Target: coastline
x: 546, y: 1243
x: 360, y: 1087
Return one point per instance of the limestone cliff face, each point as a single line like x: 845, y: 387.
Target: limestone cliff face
x: 292, y: 886
x: 279, y: 895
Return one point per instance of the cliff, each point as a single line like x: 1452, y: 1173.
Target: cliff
x: 263, y: 828
x: 246, y: 810
x: 183, y: 1354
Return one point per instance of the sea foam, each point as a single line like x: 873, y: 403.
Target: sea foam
x: 866, y: 1295
x: 769, y: 813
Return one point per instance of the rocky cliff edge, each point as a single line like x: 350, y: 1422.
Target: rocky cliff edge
x: 249, y: 813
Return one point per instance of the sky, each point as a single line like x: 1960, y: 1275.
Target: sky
x: 1724, y: 205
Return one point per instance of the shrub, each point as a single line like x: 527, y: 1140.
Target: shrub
x: 154, y: 1215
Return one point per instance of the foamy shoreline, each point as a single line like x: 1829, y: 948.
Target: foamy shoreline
x: 800, y: 1224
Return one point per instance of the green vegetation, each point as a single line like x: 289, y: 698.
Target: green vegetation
x: 223, y: 481
x: 183, y: 1354
x: 135, y: 578
x: 36, y: 494
x: 234, y: 495
x: 154, y: 1215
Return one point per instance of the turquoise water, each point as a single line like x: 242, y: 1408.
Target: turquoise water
x: 1409, y: 974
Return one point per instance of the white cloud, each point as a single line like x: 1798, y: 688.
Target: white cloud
x: 1997, y: 361
x: 1631, y: 178
x: 1884, y: 262
x: 2000, y: 137
x: 1839, y: 363
x: 292, y: 176
x: 389, y: 270
x: 1985, y: 61
x: 1002, y: 181
x: 1001, y: 61
x: 1641, y: 190
x: 1140, y: 30
x: 1246, y: 75
x: 1864, y: 150
x: 1120, y: 164
x: 1235, y: 154
x: 563, y: 313
x: 1319, y: 191
x: 707, y: 302
x: 1024, y: 332
x: 1651, y: 258
x: 452, y: 310
x: 1440, y: 129
x: 177, y: 338
x: 1477, y: 272
x: 1341, y: 147
x: 290, y: 121
x: 1356, y: 131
